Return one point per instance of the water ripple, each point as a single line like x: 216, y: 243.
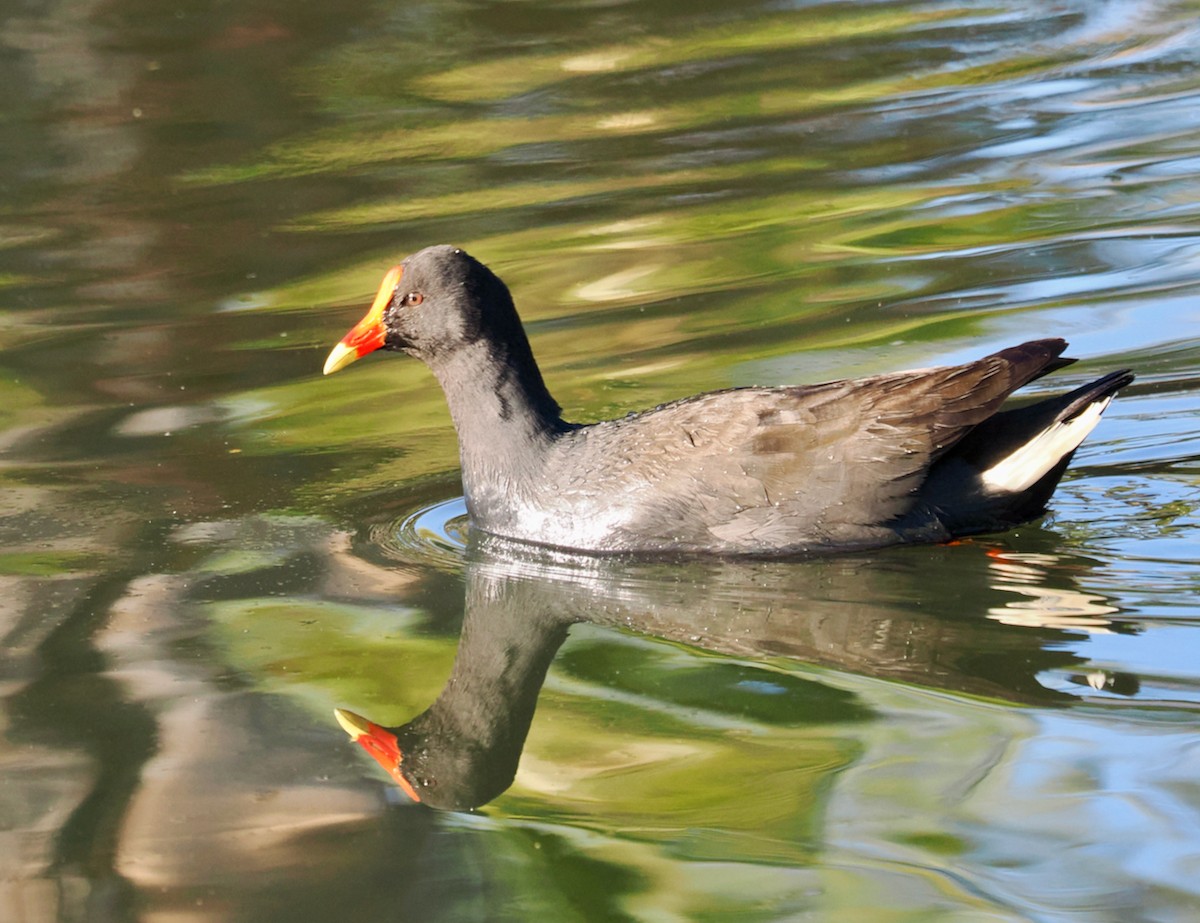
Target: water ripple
x: 435, y: 534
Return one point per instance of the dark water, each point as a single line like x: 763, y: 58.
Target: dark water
x: 207, y: 546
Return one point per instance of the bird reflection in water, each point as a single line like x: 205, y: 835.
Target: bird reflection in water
x: 991, y: 625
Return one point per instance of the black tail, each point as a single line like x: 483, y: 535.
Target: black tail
x: 978, y: 486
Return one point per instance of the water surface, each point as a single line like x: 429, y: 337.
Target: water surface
x: 207, y: 546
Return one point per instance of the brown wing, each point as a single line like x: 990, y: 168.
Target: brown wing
x: 829, y: 464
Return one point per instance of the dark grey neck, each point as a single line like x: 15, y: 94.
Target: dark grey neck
x: 488, y: 383
x: 504, y: 415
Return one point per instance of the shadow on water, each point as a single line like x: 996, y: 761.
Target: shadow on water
x: 761, y: 689
x: 988, y: 624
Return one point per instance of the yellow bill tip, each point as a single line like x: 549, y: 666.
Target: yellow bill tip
x: 352, y: 724
x: 339, y: 357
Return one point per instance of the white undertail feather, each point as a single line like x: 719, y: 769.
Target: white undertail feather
x: 1028, y: 464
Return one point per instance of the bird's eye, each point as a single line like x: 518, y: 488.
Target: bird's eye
x: 412, y: 299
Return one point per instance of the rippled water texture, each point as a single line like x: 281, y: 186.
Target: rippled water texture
x: 207, y: 546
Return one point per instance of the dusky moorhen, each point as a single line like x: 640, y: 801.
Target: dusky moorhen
x: 916, y: 456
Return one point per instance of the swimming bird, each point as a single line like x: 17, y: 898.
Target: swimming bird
x: 914, y: 456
